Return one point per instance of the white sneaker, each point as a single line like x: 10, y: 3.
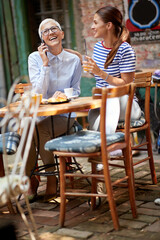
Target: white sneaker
x: 99, y: 167
x: 157, y: 201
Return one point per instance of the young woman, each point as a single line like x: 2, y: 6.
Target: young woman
x: 113, y: 64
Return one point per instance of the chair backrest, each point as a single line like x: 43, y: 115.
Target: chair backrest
x: 106, y: 93
x: 19, y: 88
x: 143, y: 80
x: 20, y: 117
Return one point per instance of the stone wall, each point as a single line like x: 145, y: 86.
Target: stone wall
x: 148, y: 54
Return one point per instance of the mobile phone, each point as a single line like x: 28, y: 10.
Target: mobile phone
x: 42, y: 41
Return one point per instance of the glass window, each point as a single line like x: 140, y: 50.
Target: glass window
x: 57, y: 9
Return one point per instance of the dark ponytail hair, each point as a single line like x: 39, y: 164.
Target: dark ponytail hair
x: 112, y: 14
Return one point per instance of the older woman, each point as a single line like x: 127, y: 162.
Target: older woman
x: 51, y: 69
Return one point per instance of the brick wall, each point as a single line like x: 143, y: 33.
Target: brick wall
x: 148, y: 54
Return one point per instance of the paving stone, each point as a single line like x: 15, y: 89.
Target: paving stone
x: 49, y: 233
x: 108, y: 237
x: 103, y: 218
x: 132, y: 224
x: 98, y: 222
x: 42, y: 232
x: 124, y: 204
x: 49, y: 236
x: 120, y: 192
x: 44, y: 213
x: 75, y: 221
x: 119, y: 174
x: 74, y: 233
x: 150, y: 212
x: 138, y: 203
x: 78, y: 202
x: 75, y: 212
x: 86, y: 216
x: 150, y: 205
x: 146, y: 196
x: 140, y: 174
x: 149, y: 176
x: 46, y: 228
x: 124, y: 207
x: 95, y: 227
x: 142, y: 182
x: 115, y: 171
x: 138, y: 167
x: 47, y: 220
x: 140, y: 217
x: 53, y: 236
x: 43, y: 206
x: 155, y: 227
x: 135, y: 234
x: 150, y: 187
x: 11, y: 217
x: 85, y: 205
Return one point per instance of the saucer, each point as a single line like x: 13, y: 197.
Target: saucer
x: 73, y: 97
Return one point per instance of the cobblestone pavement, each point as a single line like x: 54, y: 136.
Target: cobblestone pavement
x: 81, y: 223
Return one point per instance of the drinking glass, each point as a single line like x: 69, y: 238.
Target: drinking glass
x: 85, y: 65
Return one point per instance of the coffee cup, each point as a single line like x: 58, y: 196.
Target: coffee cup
x: 68, y: 92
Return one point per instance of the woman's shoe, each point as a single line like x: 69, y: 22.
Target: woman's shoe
x: 50, y: 197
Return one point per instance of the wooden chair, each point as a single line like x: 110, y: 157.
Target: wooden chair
x: 13, y: 141
x: 83, y: 115
x: 19, y: 88
x: 17, y: 127
x: 38, y: 171
x: 143, y: 80
x: 95, y: 144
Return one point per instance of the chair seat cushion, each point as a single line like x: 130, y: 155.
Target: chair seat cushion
x: 134, y: 123
x: 82, y: 142
x: 11, y: 142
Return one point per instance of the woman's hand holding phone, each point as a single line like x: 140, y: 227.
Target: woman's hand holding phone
x: 43, y: 49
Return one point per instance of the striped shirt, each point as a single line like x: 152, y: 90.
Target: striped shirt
x: 123, y: 62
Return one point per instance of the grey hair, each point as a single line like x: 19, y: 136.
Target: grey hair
x: 46, y: 21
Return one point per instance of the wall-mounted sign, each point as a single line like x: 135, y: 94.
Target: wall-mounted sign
x: 143, y: 20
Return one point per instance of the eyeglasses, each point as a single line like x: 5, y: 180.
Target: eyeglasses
x: 45, y: 32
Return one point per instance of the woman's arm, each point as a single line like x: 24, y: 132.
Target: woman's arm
x: 76, y: 78
x: 115, y: 81
x: 74, y: 52
x: 38, y: 74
